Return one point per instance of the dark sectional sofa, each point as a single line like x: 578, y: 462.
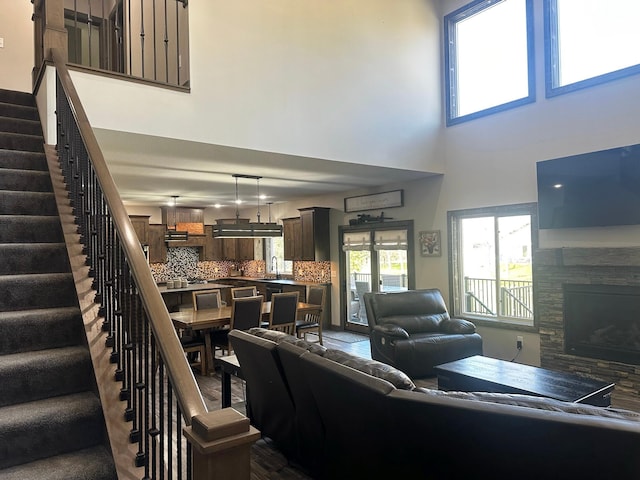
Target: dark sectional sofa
x: 343, y: 417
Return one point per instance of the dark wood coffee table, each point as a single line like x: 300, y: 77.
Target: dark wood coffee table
x: 484, y: 374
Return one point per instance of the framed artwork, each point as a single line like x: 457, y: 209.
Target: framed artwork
x: 430, y: 243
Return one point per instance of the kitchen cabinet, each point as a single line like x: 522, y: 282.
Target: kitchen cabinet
x: 157, y: 245
x: 237, y: 249
x: 140, y: 224
x: 307, y: 237
x: 212, y: 246
x: 292, y: 232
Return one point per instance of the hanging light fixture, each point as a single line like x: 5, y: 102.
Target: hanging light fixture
x: 244, y: 229
x: 172, y: 234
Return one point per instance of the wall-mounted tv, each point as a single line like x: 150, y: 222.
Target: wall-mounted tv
x: 594, y: 189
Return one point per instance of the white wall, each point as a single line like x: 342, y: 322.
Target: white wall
x: 16, y: 57
x: 306, y: 78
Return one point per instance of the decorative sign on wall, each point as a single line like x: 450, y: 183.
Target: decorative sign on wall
x: 374, y: 201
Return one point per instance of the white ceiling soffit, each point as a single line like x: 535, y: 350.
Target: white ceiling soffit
x: 148, y: 170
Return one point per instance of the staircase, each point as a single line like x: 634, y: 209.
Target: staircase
x: 51, y: 420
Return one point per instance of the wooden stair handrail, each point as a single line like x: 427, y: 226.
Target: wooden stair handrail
x: 185, y: 386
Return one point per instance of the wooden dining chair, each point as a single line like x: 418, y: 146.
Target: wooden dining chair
x: 312, y: 321
x: 239, y: 292
x: 206, y: 299
x: 284, y: 311
x: 246, y: 313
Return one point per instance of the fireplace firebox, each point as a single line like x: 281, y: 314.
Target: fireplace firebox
x: 602, y: 322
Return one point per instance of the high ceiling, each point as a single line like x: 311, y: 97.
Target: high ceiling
x: 148, y: 171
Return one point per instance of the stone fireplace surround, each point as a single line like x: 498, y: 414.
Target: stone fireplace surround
x: 599, y: 266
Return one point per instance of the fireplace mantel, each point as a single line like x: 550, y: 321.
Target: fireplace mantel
x: 595, y: 257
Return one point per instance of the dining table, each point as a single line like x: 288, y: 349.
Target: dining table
x: 214, y: 318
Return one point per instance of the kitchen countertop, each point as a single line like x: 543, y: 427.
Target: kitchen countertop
x: 281, y: 281
x: 192, y: 287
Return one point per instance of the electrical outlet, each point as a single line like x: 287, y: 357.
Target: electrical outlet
x: 1, y: 42
x: 519, y: 342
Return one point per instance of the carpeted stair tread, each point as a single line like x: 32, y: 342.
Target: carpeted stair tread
x: 17, y: 98
x: 40, y: 329
x: 51, y: 373
x: 54, y: 426
x: 22, y: 258
x: 20, y: 125
x: 27, y: 203
x: 42, y: 290
x: 93, y: 463
x: 23, y: 160
x: 21, y: 141
x: 25, y: 180
x: 18, y: 111
x: 30, y: 229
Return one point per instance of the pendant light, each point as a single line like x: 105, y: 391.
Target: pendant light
x: 244, y: 229
x: 172, y: 234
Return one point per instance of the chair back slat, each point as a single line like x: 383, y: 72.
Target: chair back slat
x: 206, y: 299
x: 240, y: 292
x: 284, y: 310
x: 246, y: 312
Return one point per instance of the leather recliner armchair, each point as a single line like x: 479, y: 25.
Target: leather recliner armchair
x: 412, y: 331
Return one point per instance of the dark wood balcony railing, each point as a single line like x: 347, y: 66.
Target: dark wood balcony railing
x: 157, y: 387
x: 143, y: 40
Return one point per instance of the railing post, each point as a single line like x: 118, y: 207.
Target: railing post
x: 221, y: 445
x: 54, y: 34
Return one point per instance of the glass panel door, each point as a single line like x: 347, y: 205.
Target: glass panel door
x: 376, y: 260
x: 358, y: 264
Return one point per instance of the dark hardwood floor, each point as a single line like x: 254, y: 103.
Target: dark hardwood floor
x: 267, y: 462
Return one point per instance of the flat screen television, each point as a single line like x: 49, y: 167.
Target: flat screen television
x: 594, y: 189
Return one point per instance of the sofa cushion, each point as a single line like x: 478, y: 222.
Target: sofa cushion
x: 372, y: 367
x: 277, y: 337
x: 413, y: 323
x: 541, y: 403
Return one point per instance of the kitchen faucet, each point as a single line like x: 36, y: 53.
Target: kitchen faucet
x: 274, y: 261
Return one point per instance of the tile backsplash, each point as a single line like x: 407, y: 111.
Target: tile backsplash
x: 185, y: 262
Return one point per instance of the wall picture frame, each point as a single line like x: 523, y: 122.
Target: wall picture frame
x: 430, y: 243
x: 375, y: 201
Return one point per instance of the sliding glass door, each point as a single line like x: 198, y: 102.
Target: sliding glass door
x: 375, y: 258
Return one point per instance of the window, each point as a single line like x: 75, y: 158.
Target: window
x: 274, y: 247
x: 489, y: 58
x: 492, y: 263
x: 589, y: 42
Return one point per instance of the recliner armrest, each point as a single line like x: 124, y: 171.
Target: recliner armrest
x: 390, y: 330
x: 457, y: 326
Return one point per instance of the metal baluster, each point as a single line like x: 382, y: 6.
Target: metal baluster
x: 140, y: 382
x: 166, y: 43
x: 129, y: 37
x: 155, y: 60
x: 178, y: 48
x: 163, y: 395
x: 169, y: 428
x: 89, y: 27
x: 142, y: 34
x: 154, y: 431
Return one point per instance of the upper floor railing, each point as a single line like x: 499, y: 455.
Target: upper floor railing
x: 141, y: 39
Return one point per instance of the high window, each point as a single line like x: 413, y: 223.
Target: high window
x: 589, y: 42
x: 492, y: 263
x: 488, y: 58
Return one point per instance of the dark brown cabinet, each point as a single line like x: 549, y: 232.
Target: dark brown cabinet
x: 212, y: 246
x: 140, y: 224
x: 307, y: 237
x: 157, y: 245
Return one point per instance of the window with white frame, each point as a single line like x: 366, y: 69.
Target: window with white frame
x: 274, y: 255
x: 589, y: 42
x: 488, y: 58
x: 492, y: 251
